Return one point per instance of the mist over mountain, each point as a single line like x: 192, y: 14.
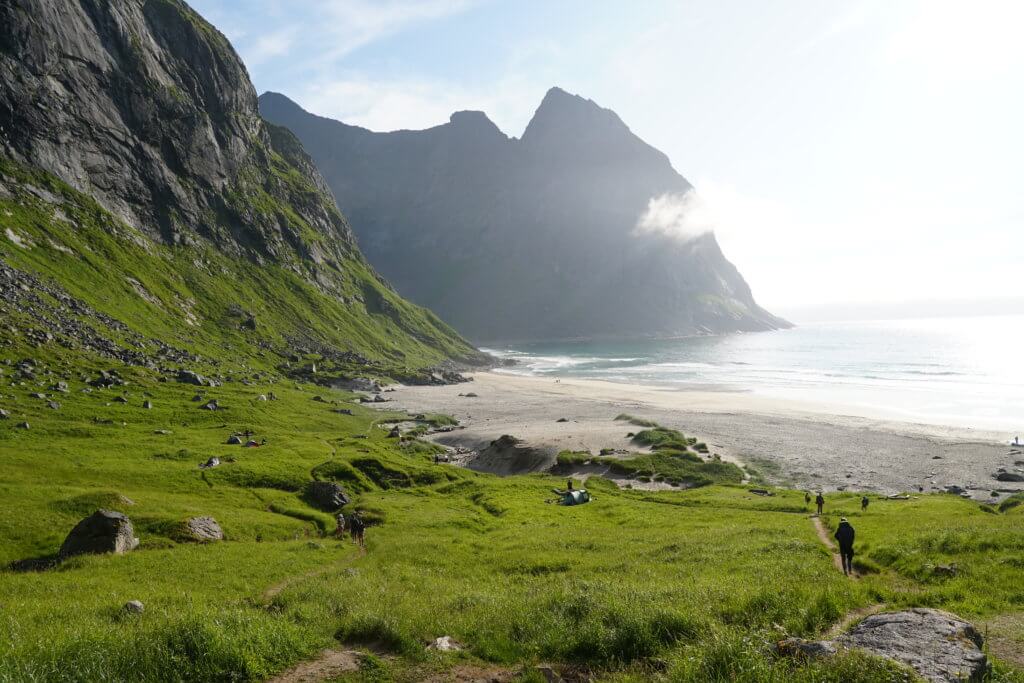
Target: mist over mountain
x: 530, y: 238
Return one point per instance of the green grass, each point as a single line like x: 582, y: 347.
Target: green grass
x: 681, y: 585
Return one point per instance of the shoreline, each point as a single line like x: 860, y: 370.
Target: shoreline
x: 797, y: 444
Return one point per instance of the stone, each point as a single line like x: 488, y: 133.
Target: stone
x: 947, y: 570
x: 204, y: 529
x: 261, y: 397
x: 444, y: 644
x: 1009, y: 476
x: 234, y: 440
x: 211, y: 462
x: 342, y: 411
x: 61, y: 387
x: 53, y: 405
x: 37, y: 395
x: 211, y: 405
x: 22, y: 425
x: 809, y: 649
x: 134, y: 607
x: 148, y: 405
x: 105, y: 531
x: 562, y: 419
x: 319, y: 399
x: 359, y: 384
x: 120, y: 399
x: 4, y: 414
x: 395, y: 432
x: 326, y: 495
x: 939, y: 646
x: 470, y: 395
x: 162, y: 431
x: 190, y: 377
x: 955, y: 490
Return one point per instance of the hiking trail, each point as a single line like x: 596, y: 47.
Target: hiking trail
x: 274, y: 590
x: 826, y: 540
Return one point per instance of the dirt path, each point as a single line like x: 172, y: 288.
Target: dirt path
x: 274, y: 590
x: 826, y: 540
x: 329, y: 665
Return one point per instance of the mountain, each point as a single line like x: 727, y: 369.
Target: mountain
x: 140, y: 185
x: 531, y: 238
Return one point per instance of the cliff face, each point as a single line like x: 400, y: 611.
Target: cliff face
x: 145, y: 109
x: 532, y: 238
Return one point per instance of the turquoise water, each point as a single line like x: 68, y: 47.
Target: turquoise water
x: 955, y: 371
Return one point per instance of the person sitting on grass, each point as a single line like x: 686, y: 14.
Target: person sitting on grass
x: 844, y: 535
x: 358, y: 530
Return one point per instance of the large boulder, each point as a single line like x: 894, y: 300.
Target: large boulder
x: 939, y: 646
x: 204, y: 529
x: 326, y: 495
x: 104, y: 531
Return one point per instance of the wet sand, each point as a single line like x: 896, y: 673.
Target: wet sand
x: 802, y: 445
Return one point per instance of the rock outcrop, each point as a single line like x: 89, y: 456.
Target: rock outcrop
x: 534, y: 238
x: 939, y: 646
x: 104, y: 531
x: 326, y: 495
x: 204, y: 529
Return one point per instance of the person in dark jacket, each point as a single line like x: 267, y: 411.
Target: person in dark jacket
x: 820, y: 502
x: 844, y: 536
x: 864, y: 503
x: 358, y: 527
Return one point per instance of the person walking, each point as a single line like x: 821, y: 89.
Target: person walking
x: 864, y: 503
x: 358, y: 530
x: 844, y: 536
x: 820, y: 502
x: 340, y: 520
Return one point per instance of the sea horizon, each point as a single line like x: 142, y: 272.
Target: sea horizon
x: 958, y: 371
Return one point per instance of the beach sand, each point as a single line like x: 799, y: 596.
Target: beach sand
x: 806, y: 446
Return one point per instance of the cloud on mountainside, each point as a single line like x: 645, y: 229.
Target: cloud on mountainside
x: 675, y: 215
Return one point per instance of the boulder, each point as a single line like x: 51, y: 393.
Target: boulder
x: 1009, y: 476
x: 807, y: 649
x: 234, y: 440
x: 204, y: 529
x: 22, y: 425
x: 61, y: 387
x: 212, y: 462
x: 210, y: 405
x: 326, y: 495
x: 939, y: 646
x: 148, y: 405
x: 4, y: 414
x: 261, y: 397
x: 444, y: 644
x: 53, y: 405
x: 190, y: 377
x: 104, y: 531
x: 342, y: 411
x: 120, y: 399
x: 134, y: 607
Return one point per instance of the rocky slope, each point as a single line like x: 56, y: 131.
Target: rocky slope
x: 138, y: 178
x: 531, y: 238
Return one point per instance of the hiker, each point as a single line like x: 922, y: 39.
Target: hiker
x: 807, y: 497
x: 340, y: 531
x: 844, y: 535
x: 820, y: 502
x: 864, y: 503
x: 358, y: 530
x: 568, y: 485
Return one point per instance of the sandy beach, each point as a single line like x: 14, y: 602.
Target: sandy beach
x: 802, y: 445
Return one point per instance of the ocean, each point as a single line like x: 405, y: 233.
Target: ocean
x: 964, y: 372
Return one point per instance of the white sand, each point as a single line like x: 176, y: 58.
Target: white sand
x: 805, y: 445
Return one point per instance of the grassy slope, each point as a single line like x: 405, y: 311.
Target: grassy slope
x: 694, y: 584
x: 79, y: 246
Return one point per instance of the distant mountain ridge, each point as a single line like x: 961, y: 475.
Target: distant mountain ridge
x: 531, y: 238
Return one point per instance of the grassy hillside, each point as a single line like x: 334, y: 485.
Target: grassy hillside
x: 679, y: 585
x: 197, y: 298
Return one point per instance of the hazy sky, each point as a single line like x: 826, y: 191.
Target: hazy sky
x: 846, y: 151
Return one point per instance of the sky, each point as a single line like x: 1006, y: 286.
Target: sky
x: 855, y: 152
